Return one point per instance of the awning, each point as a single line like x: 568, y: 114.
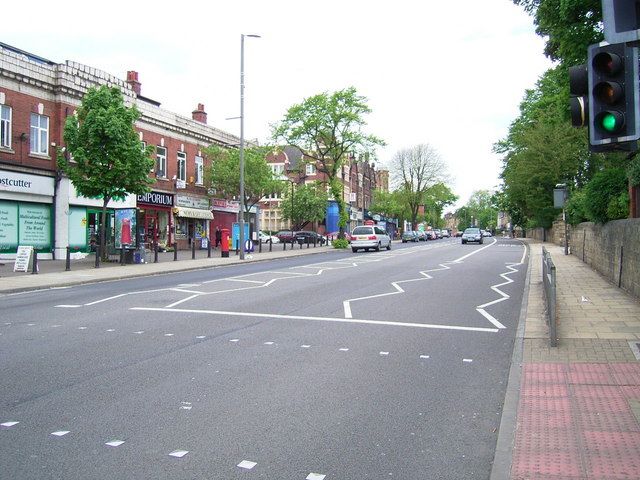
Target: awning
x: 193, y: 213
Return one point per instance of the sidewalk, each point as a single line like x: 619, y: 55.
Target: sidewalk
x: 52, y: 272
x: 578, y: 413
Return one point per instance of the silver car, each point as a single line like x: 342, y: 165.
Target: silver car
x: 369, y: 236
x: 472, y: 235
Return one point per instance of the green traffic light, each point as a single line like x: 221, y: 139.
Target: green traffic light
x: 609, y: 122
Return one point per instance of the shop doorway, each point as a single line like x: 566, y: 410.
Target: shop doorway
x: 150, y: 229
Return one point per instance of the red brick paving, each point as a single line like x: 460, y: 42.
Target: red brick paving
x: 575, y: 422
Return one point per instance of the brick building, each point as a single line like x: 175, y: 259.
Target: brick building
x: 40, y: 207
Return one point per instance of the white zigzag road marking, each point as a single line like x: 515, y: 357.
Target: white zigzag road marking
x: 504, y: 296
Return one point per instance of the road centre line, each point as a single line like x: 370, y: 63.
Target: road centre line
x: 318, y: 319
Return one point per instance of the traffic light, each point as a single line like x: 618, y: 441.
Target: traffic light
x: 614, y: 113
x: 579, y: 100
x: 621, y: 20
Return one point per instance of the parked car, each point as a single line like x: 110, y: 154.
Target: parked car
x: 422, y: 235
x: 265, y: 238
x: 438, y: 233
x: 409, y: 236
x: 306, y: 236
x: 459, y: 233
x: 486, y: 233
x: 285, y: 235
x: 472, y: 235
x: 445, y: 233
x: 431, y: 235
x: 369, y: 236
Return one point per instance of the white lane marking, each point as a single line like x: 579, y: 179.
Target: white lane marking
x: 234, y: 340
x: 424, y: 356
x: 305, y: 346
x: 246, y: 464
x: 82, y: 328
x: 182, y: 290
x: 105, y: 299
x: 8, y: 424
x: 68, y: 306
x: 200, y: 337
x: 139, y: 332
x: 384, y: 353
x: 467, y: 360
x: 503, y: 295
x: 182, y: 301
x: 168, y: 334
x: 114, y: 443
x: 318, y: 319
x: 344, y: 349
x: 315, y: 476
x: 60, y: 433
x: 268, y: 343
x: 235, y: 279
x: 178, y: 453
x: 474, y: 252
x: 187, y: 285
x: 524, y: 253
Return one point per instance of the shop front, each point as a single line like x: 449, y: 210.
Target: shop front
x: 85, y: 219
x: 155, y: 220
x: 192, y: 216
x: 26, y: 213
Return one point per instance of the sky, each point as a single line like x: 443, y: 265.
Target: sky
x: 447, y: 73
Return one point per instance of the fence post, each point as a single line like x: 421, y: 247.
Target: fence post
x: 35, y: 262
x: 67, y: 266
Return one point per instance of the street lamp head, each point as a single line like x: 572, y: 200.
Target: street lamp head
x: 251, y: 35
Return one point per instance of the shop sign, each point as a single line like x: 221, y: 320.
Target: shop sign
x: 75, y: 199
x: 23, y: 258
x: 192, y: 202
x: 25, y: 183
x: 156, y: 198
x: 223, y: 205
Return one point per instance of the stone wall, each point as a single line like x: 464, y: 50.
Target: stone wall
x: 612, y: 249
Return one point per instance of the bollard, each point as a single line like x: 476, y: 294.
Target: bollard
x: 175, y: 251
x: 67, y: 266
x: 35, y: 262
x: 208, y: 248
x: 238, y: 247
x: 122, y: 255
x: 259, y: 245
x: 284, y: 246
x: 193, y: 249
x: 270, y: 244
x: 155, y: 252
x: 97, y: 264
x: 308, y: 243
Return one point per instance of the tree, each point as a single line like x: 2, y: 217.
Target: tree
x: 304, y: 203
x: 106, y: 159
x: 413, y: 172
x: 328, y: 128
x: 223, y: 175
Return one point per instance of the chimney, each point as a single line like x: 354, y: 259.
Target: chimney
x: 199, y: 115
x: 132, y: 80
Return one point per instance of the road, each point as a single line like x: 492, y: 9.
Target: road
x: 339, y: 366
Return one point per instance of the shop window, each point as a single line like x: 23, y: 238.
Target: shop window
x: 199, y: 171
x: 39, y: 134
x: 161, y: 162
x: 182, y: 166
x: 5, y: 126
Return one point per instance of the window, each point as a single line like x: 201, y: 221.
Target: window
x: 161, y: 162
x: 39, y: 134
x: 199, y: 171
x: 5, y: 126
x: 182, y: 166
x: 278, y: 169
x: 311, y: 169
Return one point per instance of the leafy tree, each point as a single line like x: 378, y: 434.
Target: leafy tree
x: 106, y: 157
x: 605, y: 196
x: 328, y: 128
x: 306, y: 203
x: 414, y: 171
x: 480, y: 211
x: 437, y: 197
x: 223, y: 175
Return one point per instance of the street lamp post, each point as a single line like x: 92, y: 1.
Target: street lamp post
x: 242, y: 142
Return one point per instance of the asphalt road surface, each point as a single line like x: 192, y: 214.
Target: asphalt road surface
x: 372, y: 365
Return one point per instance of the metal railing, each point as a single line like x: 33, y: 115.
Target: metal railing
x: 549, y: 283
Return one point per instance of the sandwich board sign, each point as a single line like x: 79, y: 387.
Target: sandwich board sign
x: 23, y: 257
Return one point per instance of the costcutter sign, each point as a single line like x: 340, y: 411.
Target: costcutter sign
x: 156, y: 198
x: 24, y: 183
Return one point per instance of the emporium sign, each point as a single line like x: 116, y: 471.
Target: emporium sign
x: 156, y: 198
